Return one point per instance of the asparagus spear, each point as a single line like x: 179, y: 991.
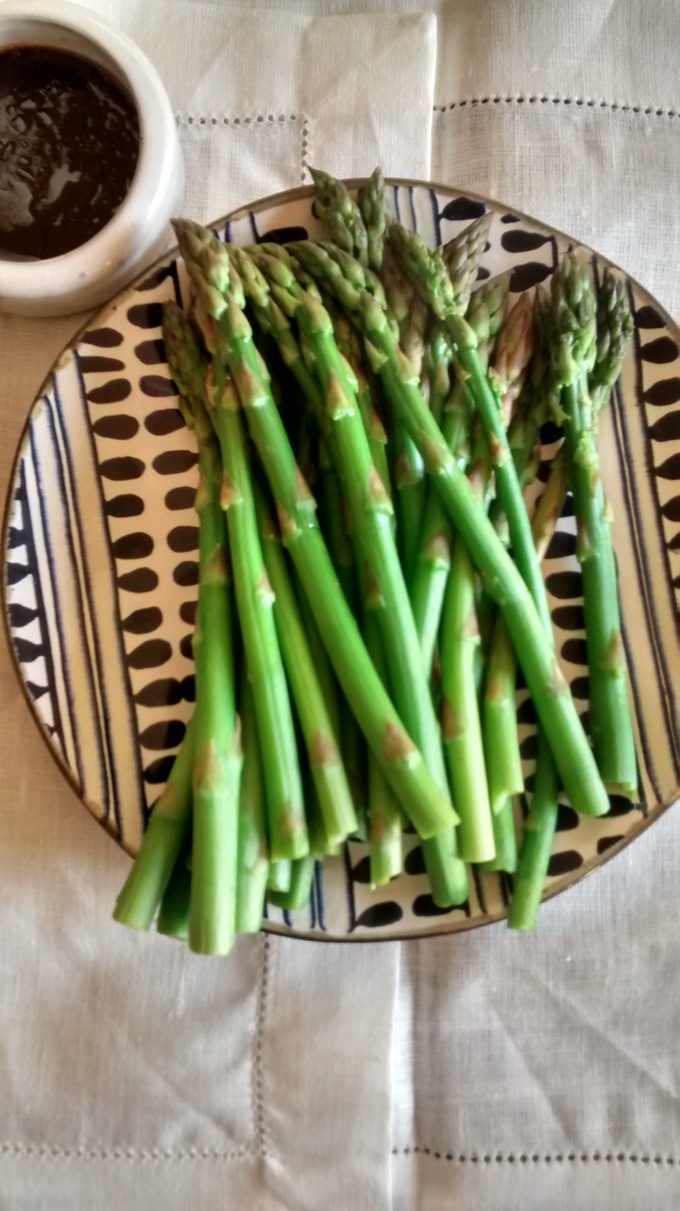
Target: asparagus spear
x: 512, y: 355
x: 408, y: 469
x: 340, y: 215
x: 349, y: 345
x: 328, y: 773
x: 459, y: 641
x: 484, y: 309
x: 253, y: 847
x: 503, y: 580
x: 173, y: 914
x: 280, y: 875
x: 539, y: 826
x: 499, y: 719
x: 501, y: 744
x: 221, y: 298
x: 437, y: 362
x: 385, y: 821
x: 217, y: 747
x: 254, y: 599
x: 431, y: 571
x: 462, y: 255
x: 371, y: 203
x: 505, y: 840
x: 460, y: 646
x: 297, y: 895
x: 351, y: 740
x: 614, y: 329
x: 537, y: 838
x: 575, y: 328
x: 162, y: 843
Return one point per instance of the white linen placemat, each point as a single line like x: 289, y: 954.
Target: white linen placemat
x: 543, y: 1071
x: 131, y: 1070
x: 481, y: 1073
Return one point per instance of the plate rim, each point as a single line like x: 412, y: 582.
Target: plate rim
x: 297, y: 193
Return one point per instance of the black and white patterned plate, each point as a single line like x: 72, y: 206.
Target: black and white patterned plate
x: 101, y: 567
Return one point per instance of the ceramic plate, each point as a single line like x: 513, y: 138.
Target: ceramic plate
x: 101, y: 567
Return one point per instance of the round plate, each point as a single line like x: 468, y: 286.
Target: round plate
x: 101, y: 567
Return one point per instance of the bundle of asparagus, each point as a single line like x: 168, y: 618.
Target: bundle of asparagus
x: 378, y: 636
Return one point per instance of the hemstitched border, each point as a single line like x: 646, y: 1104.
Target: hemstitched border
x: 260, y: 1125
x: 212, y: 119
x: 304, y: 148
x: 657, y: 111
x: 256, y: 1149
x: 47, y: 1152
x: 536, y: 1158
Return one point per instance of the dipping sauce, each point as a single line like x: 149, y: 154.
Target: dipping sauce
x: 69, y: 142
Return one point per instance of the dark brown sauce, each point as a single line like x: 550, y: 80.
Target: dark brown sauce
x: 69, y: 143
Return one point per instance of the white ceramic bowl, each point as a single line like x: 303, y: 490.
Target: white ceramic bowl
x: 138, y: 231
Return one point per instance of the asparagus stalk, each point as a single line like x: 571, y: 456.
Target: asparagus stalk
x: 614, y: 329
x: 217, y: 747
x: 438, y: 360
x: 431, y: 571
x: 162, y: 844
x: 350, y: 348
x: 297, y: 896
x: 253, y: 847
x: 352, y: 744
x: 575, y: 327
x: 173, y: 914
x: 255, y: 600
x: 340, y: 215
x: 462, y: 256
x: 328, y: 772
x: 550, y: 504
x: 505, y: 840
x: 221, y: 299
x: 499, y: 720
x: 280, y: 875
x: 512, y: 355
x: 539, y: 827
x: 537, y: 838
x: 385, y: 821
x: 371, y: 203
x: 459, y: 641
x: 333, y: 505
x: 503, y: 580
x: 409, y: 472
x: 501, y: 743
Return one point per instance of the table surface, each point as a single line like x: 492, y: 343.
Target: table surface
x: 486, y: 1071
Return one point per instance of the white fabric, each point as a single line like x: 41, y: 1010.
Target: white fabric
x: 486, y: 1071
